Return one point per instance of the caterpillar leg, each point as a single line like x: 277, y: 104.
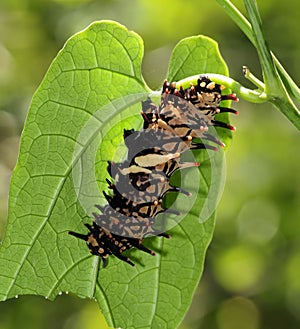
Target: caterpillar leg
x: 179, y: 123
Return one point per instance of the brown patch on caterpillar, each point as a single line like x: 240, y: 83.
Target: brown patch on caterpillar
x: 179, y: 123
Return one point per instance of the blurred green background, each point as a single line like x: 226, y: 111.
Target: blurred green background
x: 252, y: 272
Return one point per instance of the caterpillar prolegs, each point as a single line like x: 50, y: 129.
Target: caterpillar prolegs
x: 138, y: 185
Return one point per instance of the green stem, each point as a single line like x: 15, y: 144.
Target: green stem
x: 245, y: 26
x: 274, y: 86
x: 248, y: 75
x: 253, y: 96
x: 238, y: 18
x: 289, y: 110
x: 272, y: 83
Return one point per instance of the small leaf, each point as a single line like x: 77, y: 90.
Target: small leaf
x: 90, y: 93
x: 195, y: 55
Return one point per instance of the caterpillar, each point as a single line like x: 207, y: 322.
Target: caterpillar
x: 138, y: 184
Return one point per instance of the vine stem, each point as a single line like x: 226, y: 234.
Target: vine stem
x: 274, y: 86
x: 245, y: 26
x: 253, y: 96
x: 248, y: 75
x: 278, y: 85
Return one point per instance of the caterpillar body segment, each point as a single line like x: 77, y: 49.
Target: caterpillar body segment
x: 138, y: 185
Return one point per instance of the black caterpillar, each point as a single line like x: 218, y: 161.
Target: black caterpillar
x: 140, y: 182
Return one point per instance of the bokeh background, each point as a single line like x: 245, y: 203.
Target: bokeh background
x: 252, y: 272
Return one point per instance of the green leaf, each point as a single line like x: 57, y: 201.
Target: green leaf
x: 90, y: 93
x: 95, y: 67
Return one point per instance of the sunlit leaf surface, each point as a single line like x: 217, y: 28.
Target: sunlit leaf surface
x: 90, y: 93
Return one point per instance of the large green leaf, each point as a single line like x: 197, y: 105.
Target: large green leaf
x: 90, y: 93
